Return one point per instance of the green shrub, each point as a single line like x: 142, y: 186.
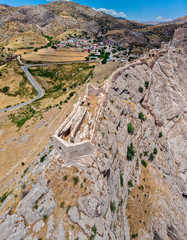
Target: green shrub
x: 71, y: 94
x: 43, y: 157
x: 25, y: 171
x: 5, y: 89
x: 144, y: 163
x: 15, y: 195
x: 151, y: 157
x: 65, y: 177
x: 113, y: 206
x: 137, y: 162
x: 130, y: 152
x: 145, y: 153
x: 141, y: 187
x: 106, y: 156
x: 160, y: 134
x: 134, y: 235
x: 45, y: 218
x: 146, y: 84
x: 22, y: 163
x: 76, y: 180
x: 140, y: 89
x: 94, y: 230
x: 64, y: 89
x: 155, y: 151
x: 141, y: 116
x: 130, y: 128
x: 3, y: 197
x: 130, y: 183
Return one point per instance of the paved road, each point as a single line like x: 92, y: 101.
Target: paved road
x: 33, y: 82
x: 35, y: 85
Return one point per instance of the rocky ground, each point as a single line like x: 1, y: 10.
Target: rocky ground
x: 135, y: 185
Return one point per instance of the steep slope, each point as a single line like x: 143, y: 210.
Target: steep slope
x: 133, y: 185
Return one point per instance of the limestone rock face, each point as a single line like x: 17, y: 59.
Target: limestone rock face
x: 93, y: 206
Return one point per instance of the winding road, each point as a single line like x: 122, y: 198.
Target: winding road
x: 35, y: 85
x: 33, y: 82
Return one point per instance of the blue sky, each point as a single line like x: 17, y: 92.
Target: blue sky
x: 140, y: 10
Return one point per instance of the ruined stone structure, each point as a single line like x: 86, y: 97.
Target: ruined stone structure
x: 74, y: 137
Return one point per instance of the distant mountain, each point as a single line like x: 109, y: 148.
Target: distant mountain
x: 55, y: 18
x: 151, y: 22
x: 122, y: 18
x: 180, y: 20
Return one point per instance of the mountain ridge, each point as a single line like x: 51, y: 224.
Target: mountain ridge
x: 55, y: 18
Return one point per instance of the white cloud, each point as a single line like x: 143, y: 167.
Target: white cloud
x: 112, y: 12
x: 161, y: 19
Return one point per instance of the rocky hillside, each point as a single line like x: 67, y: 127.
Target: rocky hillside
x: 134, y: 186
x: 55, y: 18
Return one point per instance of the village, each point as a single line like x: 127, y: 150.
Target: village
x: 106, y: 51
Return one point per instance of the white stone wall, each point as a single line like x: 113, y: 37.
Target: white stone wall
x: 70, y: 151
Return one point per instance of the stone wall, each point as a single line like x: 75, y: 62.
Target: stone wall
x: 72, y: 150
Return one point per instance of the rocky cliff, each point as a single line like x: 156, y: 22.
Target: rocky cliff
x: 134, y: 186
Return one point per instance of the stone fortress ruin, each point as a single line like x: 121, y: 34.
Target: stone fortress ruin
x: 73, y: 139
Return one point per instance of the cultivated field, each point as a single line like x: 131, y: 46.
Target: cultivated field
x: 55, y: 55
x: 23, y: 40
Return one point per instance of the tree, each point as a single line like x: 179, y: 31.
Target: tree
x: 104, y: 61
x: 86, y: 58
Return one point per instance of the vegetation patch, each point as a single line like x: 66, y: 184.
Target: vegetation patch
x: 113, y: 207
x: 20, y: 118
x: 130, y: 128
x: 130, y: 152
